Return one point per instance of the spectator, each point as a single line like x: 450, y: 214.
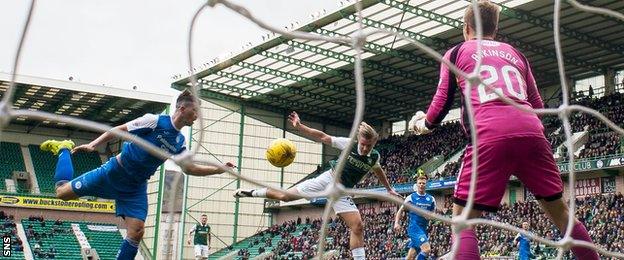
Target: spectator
x: 37, y: 248
x: 30, y: 232
x: 591, y: 91
x: 402, y: 155
x: 603, y: 215
x: 601, y: 144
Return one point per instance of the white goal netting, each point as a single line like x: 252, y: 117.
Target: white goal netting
x: 356, y: 41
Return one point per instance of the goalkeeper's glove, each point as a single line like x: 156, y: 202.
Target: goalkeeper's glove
x: 417, y: 123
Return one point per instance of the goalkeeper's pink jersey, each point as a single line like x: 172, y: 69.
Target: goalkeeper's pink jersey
x: 508, y: 71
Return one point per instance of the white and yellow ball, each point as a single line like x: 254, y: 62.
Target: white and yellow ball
x: 281, y: 152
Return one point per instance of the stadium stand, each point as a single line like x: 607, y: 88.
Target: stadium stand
x: 106, y: 105
x: 450, y: 170
x: 603, y: 215
x: 602, y: 140
x: 45, y: 163
x: 611, y: 106
x: 49, y: 238
x: 11, y: 159
x: 296, y: 240
x: 105, y: 242
x: 277, y: 238
x: 402, y: 155
x: 8, y: 228
x: 20, y: 152
x: 601, y: 144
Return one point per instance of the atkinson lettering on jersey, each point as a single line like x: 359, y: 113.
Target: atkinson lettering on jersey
x: 505, y: 71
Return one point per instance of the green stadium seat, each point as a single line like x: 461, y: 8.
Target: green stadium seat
x: 64, y: 243
x: 11, y: 160
x: 253, y: 250
x: 105, y: 243
x: 67, y: 247
x: 45, y: 164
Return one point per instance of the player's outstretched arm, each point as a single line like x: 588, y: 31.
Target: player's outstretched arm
x: 206, y: 170
x: 397, y: 219
x: 103, y: 138
x: 188, y: 241
x: 309, y: 132
x: 423, y: 123
x: 381, y: 175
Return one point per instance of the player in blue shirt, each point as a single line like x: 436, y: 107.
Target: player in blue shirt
x: 124, y: 177
x: 417, y: 225
x: 523, y: 243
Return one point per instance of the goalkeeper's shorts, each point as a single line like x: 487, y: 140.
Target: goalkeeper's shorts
x: 528, y: 158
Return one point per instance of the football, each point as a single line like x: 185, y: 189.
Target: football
x: 281, y: 152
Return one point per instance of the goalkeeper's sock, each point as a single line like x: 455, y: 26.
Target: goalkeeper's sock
x: 580, y: 233
x: 262, y: 193
x: 468, y: 245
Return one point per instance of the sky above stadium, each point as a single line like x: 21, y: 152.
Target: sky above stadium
x: 133, y: 43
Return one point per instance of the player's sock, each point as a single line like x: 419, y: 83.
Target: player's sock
x: 64, y: 169
x: 468, y: 245
x: 128, y: 250
x: 259, y: 193
x: 579, y: 232
x: 422, y: 256
x: 358, y: 253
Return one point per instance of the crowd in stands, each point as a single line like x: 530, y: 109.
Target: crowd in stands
x: 611, y: 106
x: 35, y: 238
x: 451, y: 169
x: 552, y: 131
x: 603, y: 141
x: 602, y: 214
x: 243, y: 254
x: 378, y: 235
x: 8, y: 229
x: 601, y: 144
x: 303, y: 243
x: 401, y: 155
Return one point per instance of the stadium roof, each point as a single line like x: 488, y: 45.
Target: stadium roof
x: 316, y: 78
x: 103, y: 104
